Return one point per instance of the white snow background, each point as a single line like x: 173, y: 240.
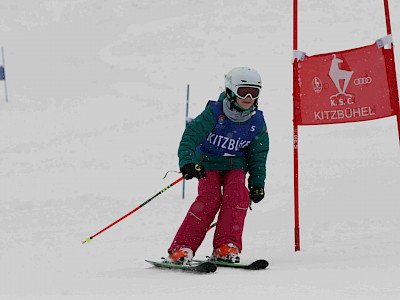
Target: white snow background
x: 97, y: 100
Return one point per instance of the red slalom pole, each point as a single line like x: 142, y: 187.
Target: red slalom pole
x: 389, y: 32
x: 295, y: 135
x: 387, y: 16
x: 87, y: 240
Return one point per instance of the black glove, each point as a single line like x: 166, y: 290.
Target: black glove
x: 256, y: 194
x: 193, y: 170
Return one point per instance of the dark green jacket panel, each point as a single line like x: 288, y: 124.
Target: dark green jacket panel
x: 257, y: 158
x: 196, y: 131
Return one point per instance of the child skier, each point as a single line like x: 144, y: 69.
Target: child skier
x: 227, y: 140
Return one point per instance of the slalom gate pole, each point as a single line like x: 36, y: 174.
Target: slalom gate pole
x: 389, y: 32
x: 87, y: 240
x: 295, y: 136
x: 4, y: 70
x: 186, y: 124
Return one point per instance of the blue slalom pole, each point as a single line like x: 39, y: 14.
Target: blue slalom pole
x: 186, y: 124
x: 4, y: 70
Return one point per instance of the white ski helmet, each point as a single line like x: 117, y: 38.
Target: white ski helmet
x: 242, y: 77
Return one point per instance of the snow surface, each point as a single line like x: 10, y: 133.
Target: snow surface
x: 97, y: 93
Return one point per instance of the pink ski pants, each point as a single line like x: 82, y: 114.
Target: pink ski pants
x: 232, y: 203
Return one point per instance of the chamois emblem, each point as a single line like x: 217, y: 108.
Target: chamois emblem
x: 337, y: 75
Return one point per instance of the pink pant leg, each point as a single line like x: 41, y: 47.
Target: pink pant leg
x: 202, y: 212
x: 235, y: 202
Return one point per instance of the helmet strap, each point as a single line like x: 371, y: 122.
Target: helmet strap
x: 230, y: 95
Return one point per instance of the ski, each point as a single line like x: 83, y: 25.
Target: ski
x: 198, y: 267
x: 255, y: 265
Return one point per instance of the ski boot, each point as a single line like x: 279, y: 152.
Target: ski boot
x: 181, y: 256
x: 226, y: 253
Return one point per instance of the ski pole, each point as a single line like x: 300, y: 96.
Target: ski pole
x: 211, y: 226
x: 87, y: 240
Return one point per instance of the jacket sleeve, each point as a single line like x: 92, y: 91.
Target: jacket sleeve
x: 257, y: 158
x: 196, y: 131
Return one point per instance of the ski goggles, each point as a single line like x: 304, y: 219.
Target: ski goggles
x: 243, y: 91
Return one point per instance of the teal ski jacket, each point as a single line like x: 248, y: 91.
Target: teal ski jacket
x: 198, y: 129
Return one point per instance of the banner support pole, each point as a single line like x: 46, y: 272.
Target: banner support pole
x: 388, y: 27
x: 389, y: 31
x: 295, y: 136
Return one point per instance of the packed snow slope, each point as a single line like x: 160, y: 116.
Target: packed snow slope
x: 97, y: 101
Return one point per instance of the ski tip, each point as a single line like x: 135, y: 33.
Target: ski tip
x: 209, y: 267
x: 259, y: 264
